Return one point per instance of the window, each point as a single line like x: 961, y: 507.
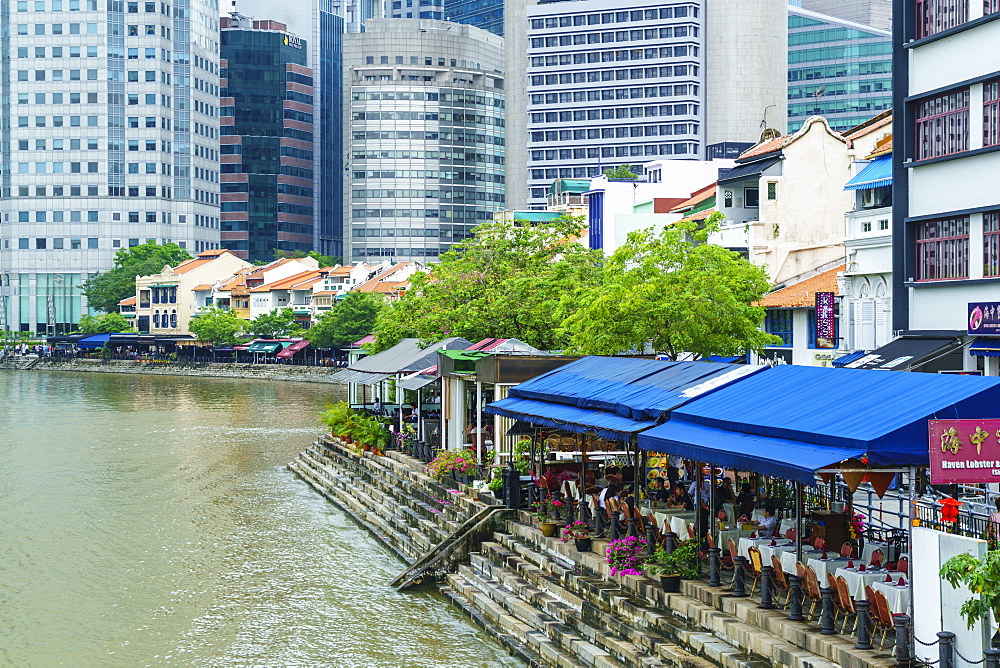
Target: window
x: 772, y: 190
x: 934, y: 16
x: 991, y: 110
x: 779, y: 323
x: 943, y: 249
x: 751, y: 198
x: 991, y: 244
x: 942, y: 125
x: 92, y: 243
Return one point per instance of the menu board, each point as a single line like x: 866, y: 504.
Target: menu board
x: 656, y: 467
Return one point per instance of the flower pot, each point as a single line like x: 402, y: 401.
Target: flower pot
x: 671, y: 583
x: 582, y: 544
x: 549, y: 529
x: 366, y: 448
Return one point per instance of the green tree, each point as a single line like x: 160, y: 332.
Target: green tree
x: 220, y: 328
x: 982, y: 578
x: 352, y: 318
x: 106, y: 323
x: 621, y: 172
x: 104, y: 291
x: 324, y: 260
x: 506, y: 281
x: 676, y: 292
x: 274, y: 324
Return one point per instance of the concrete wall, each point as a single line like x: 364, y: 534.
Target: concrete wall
x: 515, y: 26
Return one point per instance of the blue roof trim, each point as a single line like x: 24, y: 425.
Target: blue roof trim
x: 748, y: 169
x: 568, y: 418
x: 637, y: 389
x: 876, y: 174
x: 96, y: 341
x: 848, y: 358
x: 793, y: 460
x: 985, y: 348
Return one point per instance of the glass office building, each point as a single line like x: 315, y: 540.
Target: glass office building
x: 485, y: 14
x: 836, y: 69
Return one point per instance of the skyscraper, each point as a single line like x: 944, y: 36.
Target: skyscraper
x: 110, y: 138
x: 267, y: 140
x: 836, y: 69
x: 485, y: 14
x: 424, y: 119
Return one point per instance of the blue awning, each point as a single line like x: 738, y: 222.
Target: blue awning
x: 568, y: 418
x: 637, y: 389
x: 848, y: 358
x: 883, y: 415
x: 985, y: 348
x: 96, y: 341
x: 876, y: 174
x: 793, y: 460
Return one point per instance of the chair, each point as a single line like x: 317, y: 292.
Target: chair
x: 812, y: 589
x: 883, y: 614
x: 690, y: 532
x: 733, y: 556
x: 755, y: 567
x: 873, y: 616
x: 846, y: 550
x: 780, y: 580
x: 819, y: 543
x: 790, y: 534
x: 838, y: 605
x: 877, y: 557
x: 903, y: 566
x: 847, y: 601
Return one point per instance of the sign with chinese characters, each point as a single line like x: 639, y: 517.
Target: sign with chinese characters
x: 964, y: 451
x: 984, y: 318
x: 826, y: 320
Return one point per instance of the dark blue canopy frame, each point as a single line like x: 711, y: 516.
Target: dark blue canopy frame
x: 569, y: 418
x: 95, y: 341
x: 797, y: 419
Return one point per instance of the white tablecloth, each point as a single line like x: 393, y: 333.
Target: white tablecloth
x: 824, y: 566
x: 788, y: 560
x: 856, y: 582
x: 870, y: 547
x: 898, y: 597
x: 766, y: 551
x: 679, y: 525
x: 746, y: 543
x: 735, y: 534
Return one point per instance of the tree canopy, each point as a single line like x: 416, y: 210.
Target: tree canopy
x: 221, y: 328
x: 274, y: 324
x: 674, y: 291
x: 621, y: 172
x: 104, y: 291
x: 505, y: 281
x: 106, y: 323
x: 350, y: 319
x: 324, y: 260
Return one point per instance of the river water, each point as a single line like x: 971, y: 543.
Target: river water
x: 149, y: 521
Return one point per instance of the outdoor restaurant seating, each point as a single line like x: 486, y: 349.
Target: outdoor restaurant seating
x: 882, y: 616
x: 755, y: 567
x: 846, y: 550
x: 846, y: 602
x: 780, y: 581
x: 903, y: 565
x: 876, y: 559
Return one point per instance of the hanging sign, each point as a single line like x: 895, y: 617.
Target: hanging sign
x: 964, y: 451
x: 826, y: 320
x: 984, y: 318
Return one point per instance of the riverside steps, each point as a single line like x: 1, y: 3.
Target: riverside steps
x: 279, y: 372
x: 545, y: 602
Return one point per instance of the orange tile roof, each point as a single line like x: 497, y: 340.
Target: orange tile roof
x: 803, y: 293
x: 701, y: 215
x: 883, y: 147
x: 872, y: 124
x: 340, y: 271
x: 770, y: 146
x: 188, y: 265
x: 289, y: 282
x: 389, y: 286
x: 239, y: 279
x: 203, y: 286
x: 697, y: 197
x: 369, y: 286
x: 213, y: 252
x: 325, y: 293
x: 128, y: 301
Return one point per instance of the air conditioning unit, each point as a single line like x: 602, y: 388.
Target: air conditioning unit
x: 867, y: 198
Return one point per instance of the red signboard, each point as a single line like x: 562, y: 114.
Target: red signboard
x: 964, y: 451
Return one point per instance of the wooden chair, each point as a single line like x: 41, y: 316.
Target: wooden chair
x: 733, y: 555
x: 838, y: 606
x: 819, y: 543
x: 755, y: 567
x: 877, y: 557
x: 883, y: 614
x: 690, y: 532
x: 847, y: 601
x: 873, y: 615
x: 812, y: 589
x: 903, y: 566
x: 791, y: 534
x: 780, y: 581
x: 846, y: 550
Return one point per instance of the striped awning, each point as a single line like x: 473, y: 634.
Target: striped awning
x: 876, y: 174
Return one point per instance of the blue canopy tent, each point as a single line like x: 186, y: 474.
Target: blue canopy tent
x: 765, y: 423
x: 95, y: 341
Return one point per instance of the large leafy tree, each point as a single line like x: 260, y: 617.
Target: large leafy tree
x: 221, y: 328
x: 274, y: 324
x: 674, y: 291
x: 324, y: 260
x: 352, y: 318
x: 104, y: 291
x: 506, y: 281
x: 106, y: 323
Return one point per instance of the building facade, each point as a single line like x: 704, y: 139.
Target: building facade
x: 110, y: 139
x: 946, y: 164
x: 874, y: 13
x: 485, y: 14
x: 267, y: 140
x: 609, y: 82
x: 424, y: 120
x: 321, y: 24
x: 836, y: 69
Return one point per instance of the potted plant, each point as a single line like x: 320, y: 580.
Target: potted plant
x: 579, y: 533
x: 544, y: 513
x: 626, y: 555
x: 982, y: 578
x: 671, y: 568
x: 449, y: 462
x: 336, y: 418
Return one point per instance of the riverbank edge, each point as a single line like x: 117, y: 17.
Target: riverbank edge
x: 286, y: 373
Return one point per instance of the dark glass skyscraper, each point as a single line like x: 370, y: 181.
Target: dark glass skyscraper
x: 485, y: 14
x: 267, y: 140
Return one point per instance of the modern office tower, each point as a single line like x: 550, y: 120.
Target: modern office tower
x: 946, y: 164
x: 874, y: 13
x: 485, y: 14
x: 836, y: 69
x: 321, y: 25
x: 267, y: 140
x: 424, y: 122
x: 110, y: 138
x: 414, y: 9
x: 628, y: 81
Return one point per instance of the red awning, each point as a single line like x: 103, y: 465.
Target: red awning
x: 290, y: 351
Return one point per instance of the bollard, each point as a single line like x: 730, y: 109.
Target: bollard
x: 766, y: 575
x: 714, y: 562
x: 669, y: 542
x: 991, y: 658
x: 632, y: 528
x: 650, y: 540
x: 864, y: 637
x: 827, y: 626
x: 946, y: 649
x: 795, y: 599
x: 739, y: 586
x: 902, y: 652
x: 598, y: 522
x: 615, y: 533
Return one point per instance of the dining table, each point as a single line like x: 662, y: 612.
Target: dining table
x: 896, y: 595
x: 869, y: 549
x: 734, y: 534
x: 824, y: 566
x: 857, y: 579
x: 788, y: 560
x: 746, y: 543
x: 767, y: 550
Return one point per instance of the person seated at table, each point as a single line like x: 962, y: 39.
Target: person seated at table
x: 609, y: 492
x: 725, y: 492
x: 680, y: 498
x: 746, y: 501
x: 659, y: 494
x: 377, y: 406
x: 769, y: 524
x: 410, y: 413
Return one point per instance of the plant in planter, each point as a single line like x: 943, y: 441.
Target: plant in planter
x: 626, y: 555
x: 545, y: 515
x: 337, y: 418
x: 579, y: 533
x: 682, y: 563
x: 982, y: 577
x: 445, y: 462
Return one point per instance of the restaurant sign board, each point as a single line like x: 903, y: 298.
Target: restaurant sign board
x: 984, y: 318
x: 964, y: 451
x: 826, y: 320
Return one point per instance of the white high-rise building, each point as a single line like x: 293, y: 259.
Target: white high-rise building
x: 110, y: 139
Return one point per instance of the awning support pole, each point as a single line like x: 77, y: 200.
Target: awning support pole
x: 479, y: 422
x: 798, y: 521
x: 909, y: 544
x: 635, y: 470
x: 420, y: 414
x: 699, y: 476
